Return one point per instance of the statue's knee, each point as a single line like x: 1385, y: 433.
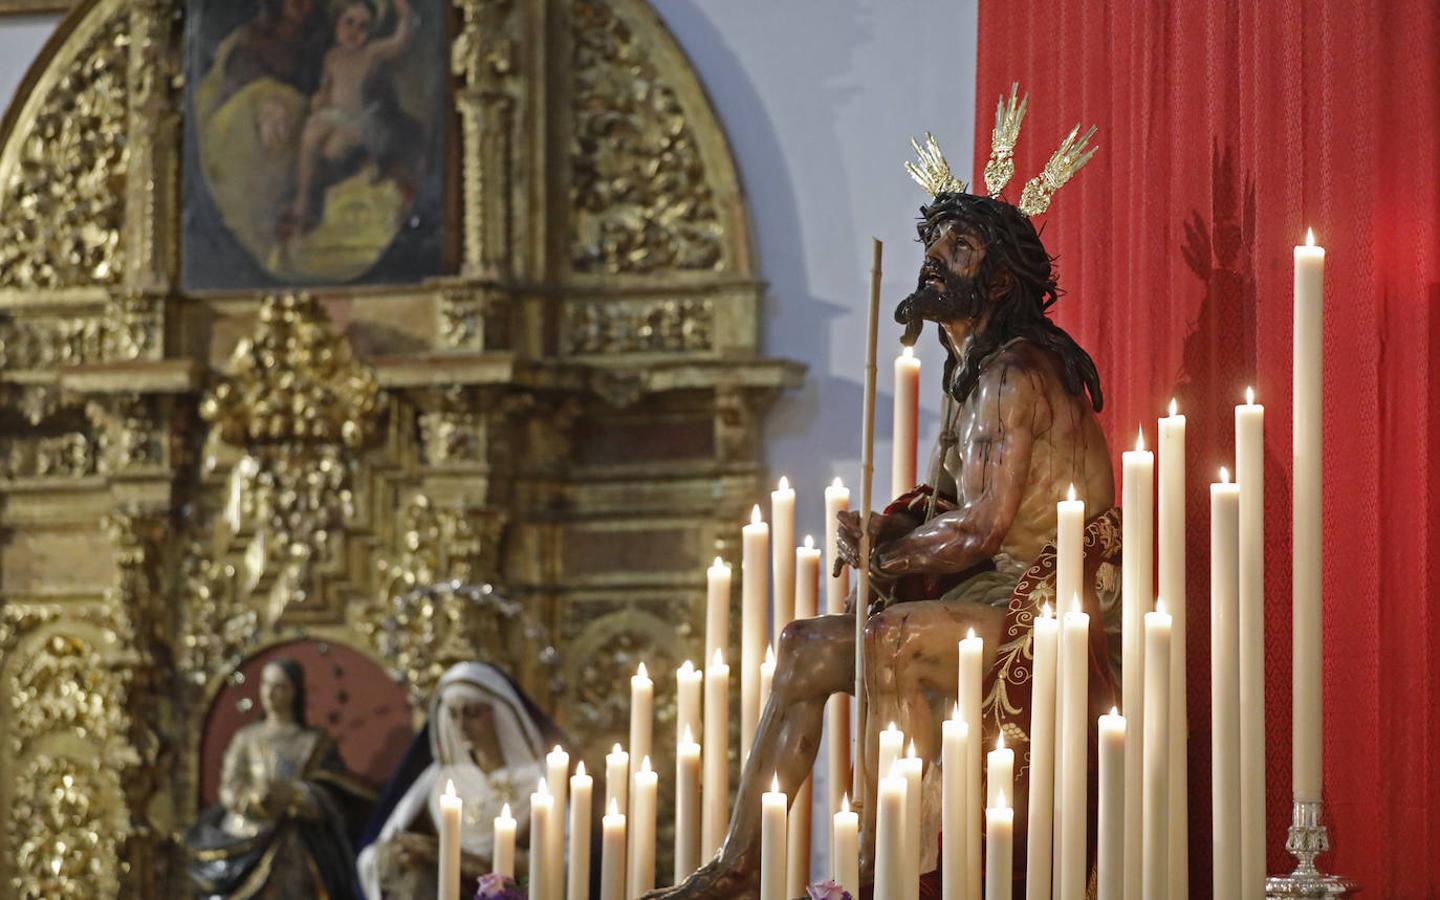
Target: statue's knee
x: 881, y: 630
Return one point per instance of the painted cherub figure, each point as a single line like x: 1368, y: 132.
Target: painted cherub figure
x: 343, y: 114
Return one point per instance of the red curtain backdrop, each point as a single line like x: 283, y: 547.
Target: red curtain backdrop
x: 1227, y: 128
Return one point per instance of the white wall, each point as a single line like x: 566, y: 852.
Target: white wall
x: 820, y: 99
x: 21, y: 38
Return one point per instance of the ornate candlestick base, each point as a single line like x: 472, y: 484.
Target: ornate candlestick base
x: 1308, y: 839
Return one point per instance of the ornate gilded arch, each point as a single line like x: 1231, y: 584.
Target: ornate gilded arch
x: 569, y: 412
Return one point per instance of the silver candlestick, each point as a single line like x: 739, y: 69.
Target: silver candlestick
x: 1308, y: 839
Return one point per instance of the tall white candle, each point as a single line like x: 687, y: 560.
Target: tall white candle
x: 612, y: 853
x: 999, y: 771
x: 782, y: 554
x: 1306, y: 516
x: 907, y: 415
x: 767, y: 677
x: 557, y: 782
x: 999, y: 849
x: 773, y: 835
x: 642, y: 718
x: 912, y: 768
x: 1171, y: 577
x: 754, y: 600
x: 1046, y: 639
x: 617, y: 778
x: 717, y: 608
x: 502, y: 861
x: 1069, y: 583
x: 845, y: 847
x: 542, y: 810
x: 1110, y: 821
x: 1074, y: 694
x: 1155, y: 878
x: 715, y: 795
x: 581, y: 787
x: 1137, y: 579
x: 971, y: 678
x: 644, y: 786
x: 1250, y: 476
x: 837, y: 708
x: 954, y: 806
x: 890, y: 866
x: 687, y: 806
x: 449, y: 874
x: 807, y: 596
x: 1225, y: 685
x: 689, y: 692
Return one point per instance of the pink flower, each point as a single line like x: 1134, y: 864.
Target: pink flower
x: 827, y: 890
x: 494, y: 886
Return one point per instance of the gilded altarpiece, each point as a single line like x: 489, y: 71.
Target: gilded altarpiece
x: 570, y: 414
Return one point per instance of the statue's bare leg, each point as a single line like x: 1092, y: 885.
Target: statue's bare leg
x: 817, y: 659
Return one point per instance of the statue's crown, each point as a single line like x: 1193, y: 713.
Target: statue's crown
x: 932, y: 172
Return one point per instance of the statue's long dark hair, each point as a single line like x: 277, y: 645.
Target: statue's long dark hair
x: 1012, y: 246
x: 296, y: 673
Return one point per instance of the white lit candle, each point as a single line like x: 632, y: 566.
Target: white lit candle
x: 689, y: 691
x: 644, y: 786
x: 503, y: 859
x: 773, y: 837
x: 542, y: 810
x: 837, y: 499
x: 581, y: 788
x: 1042, y: 756
x: 557, y: 783
x: 1155, y: 878
x: 1170, y: 504
x: 892, y: 744
x: 1069, y: 582
x: 1225, y: 685
x: 1250, y: 476
x: 1110, y: 822
x: 1074, y: 695
x: 717, y: 608
x: 715, y: 795
x: 687, y: 806
x: 954, y: 805
x: 970, y: 681
x: 1137, y: 580
x: 450, y: 806
x: 754, y: 623
x: 890, y: 868
x: 612, y: 853
x: 782, y: 554
x: 837, y: 708
x: 1308, y: 416
x: 642, y: 718
x: 807, y: 595
x: 767, y: 676
x: 913, y: 769
x: 807, y: 579
x: 845, y: 847
x: 999, y: 771
x: 907, y: 414
x: 999, y: 849
x: 617, y: 778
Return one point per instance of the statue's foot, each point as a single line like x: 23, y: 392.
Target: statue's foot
x: 716, y: 880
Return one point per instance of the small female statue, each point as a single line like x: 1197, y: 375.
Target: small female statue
x: 279, y: 829
x: 489, y: 739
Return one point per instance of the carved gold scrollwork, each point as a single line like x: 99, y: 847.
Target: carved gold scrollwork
x: 128, y: 327
x: 646, y: 326
x: 219, y: 626
x: 66, y: 685
x: 63, y: 832
x: 64, y: 198
x: 641, y: 199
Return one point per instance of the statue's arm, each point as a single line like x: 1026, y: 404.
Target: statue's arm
x: 236, y: 792
x: 1010, y: 400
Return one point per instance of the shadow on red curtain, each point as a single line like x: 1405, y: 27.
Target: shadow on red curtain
x: 1227, y: 128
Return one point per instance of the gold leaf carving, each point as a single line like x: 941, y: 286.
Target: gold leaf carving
x: 64, y: 200
x: 649, y: 326
x: 64, y: 843
x: 639, y: 192
x: 65, y: 685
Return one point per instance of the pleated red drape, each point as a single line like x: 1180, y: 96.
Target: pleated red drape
x: 1227, y: 128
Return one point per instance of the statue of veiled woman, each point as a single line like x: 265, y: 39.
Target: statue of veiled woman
x: 280, y: 827
x: 484, y: 735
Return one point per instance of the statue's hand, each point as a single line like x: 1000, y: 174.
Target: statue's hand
x: 883, y: 528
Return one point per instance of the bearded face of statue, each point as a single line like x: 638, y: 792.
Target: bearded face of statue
x: 947, y: 287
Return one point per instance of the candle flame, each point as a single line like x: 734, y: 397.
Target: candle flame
x: 449, y: 787
x: 645, y: 764
x: 505, y: 812
x: 716, y: 661
x: 755, y: 515
x: 1045, y: 610
x: 613, y: 810
x: 541, y: 787
x: 1224, y: 475
x: 910, y: 751
x: 775, y: 783
x: 892, y: 727
x: 1309, y: 237
x: 640, y: 671
x: 969, y: 634
x: 908, y: 352
x: 1115, y: 711
x: 1070, y: 494
x: 1249, y: 395
x: 1000, y: 741
x: 809, y: 542
x: 837, y: 482
x: 720, y: 563
x: 1075, y: 602
x: 770, y: 655
x: 784, y: 484
x: 1160, y: 604
x: 1173, y: 407
x: 686, y: 737
x: 1000, y: 799
x: 1140, y: 439
x: 557, y: 751
x: 579, y: 771
x: 845, y: 802
x: 617, y: 749
x: 687, y: 667
x: 955, y: 713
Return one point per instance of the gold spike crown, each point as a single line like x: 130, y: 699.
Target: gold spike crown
x: 933, y: 173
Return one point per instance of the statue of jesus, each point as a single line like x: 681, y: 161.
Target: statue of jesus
x: 1023, y: 430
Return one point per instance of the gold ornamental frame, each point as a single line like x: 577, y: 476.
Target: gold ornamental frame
x: 572, y: 413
